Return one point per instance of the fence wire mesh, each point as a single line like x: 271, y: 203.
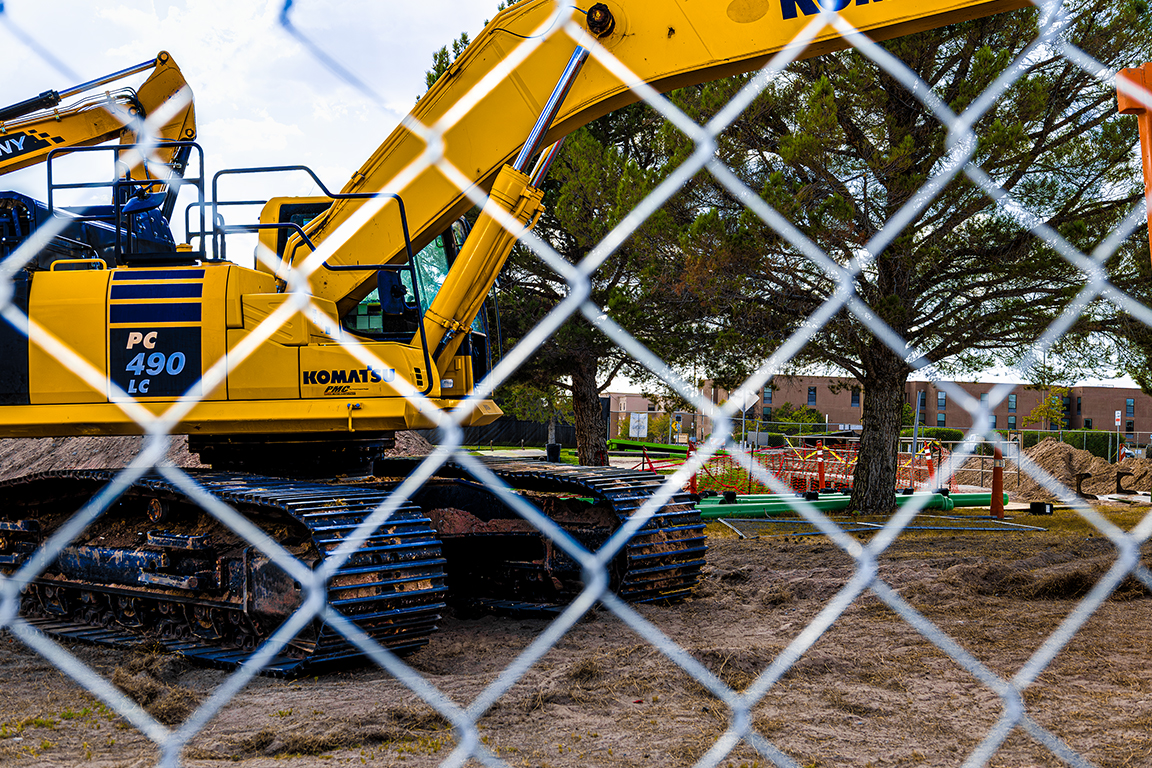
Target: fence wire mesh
x: 1010, y: 692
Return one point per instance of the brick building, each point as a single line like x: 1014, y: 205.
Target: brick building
x: 841, y: 401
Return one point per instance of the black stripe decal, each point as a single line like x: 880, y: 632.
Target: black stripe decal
x: 159, y: 291
x: 158, y: 274
x: 154, y: 313
x: 14, y: 350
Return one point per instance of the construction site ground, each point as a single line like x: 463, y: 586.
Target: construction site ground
x: 871, y: 691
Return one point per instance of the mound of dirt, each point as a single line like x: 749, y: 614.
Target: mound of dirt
x: 1063, y: 462
x: 410, y: 444
x: 26, y: 455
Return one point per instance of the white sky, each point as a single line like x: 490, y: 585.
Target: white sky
x: 261, y: 98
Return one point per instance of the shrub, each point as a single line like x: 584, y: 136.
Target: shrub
x: 943, y: 434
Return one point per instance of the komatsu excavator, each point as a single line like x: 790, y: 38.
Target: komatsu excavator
x: 389, y: 269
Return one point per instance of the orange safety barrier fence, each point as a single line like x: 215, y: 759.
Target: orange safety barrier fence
x: 805, y: 469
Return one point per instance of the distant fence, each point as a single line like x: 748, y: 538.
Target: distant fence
x: 511, y: 432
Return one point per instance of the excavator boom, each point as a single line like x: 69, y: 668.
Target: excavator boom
x: 31, y: 129
x: 487, y: 110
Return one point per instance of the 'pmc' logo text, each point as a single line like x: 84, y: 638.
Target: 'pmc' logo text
x: 813, y: 7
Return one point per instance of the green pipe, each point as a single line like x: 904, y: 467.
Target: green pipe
x: 958, y: 499
x: 826, y: 503
x: 974, y: 499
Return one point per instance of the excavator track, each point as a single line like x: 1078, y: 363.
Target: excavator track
x: 130, y: 579
x: 662, y: 561
x: 156, y: 568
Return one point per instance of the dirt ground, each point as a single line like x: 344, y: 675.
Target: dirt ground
x: 871, y: 692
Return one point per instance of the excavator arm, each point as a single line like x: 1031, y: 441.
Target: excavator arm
x: 31, y: 129
x: 665, y: 44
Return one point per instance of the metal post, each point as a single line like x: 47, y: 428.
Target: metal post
x: 997, y: 483
x: 820, y: 465
x: 916, y: 426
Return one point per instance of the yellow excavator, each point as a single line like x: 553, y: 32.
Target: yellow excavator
x: 278, y: 399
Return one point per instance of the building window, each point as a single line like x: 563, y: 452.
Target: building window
x: 983, y: 398
x: 1011, y: 422
x: 1129, y: 427
x: 941, y: 400
x: 1130, y: 407
x: 1078, y: 404
x: 651, y: 406
x: 922, y: 400
x: 993, y: 421
x: 811, y: 395
x: 767, y: 395
x: 1012, y: 405
x: 767, y: 414
x: 855, y: 397
x: 923, y: 418
x: 940, y: 420
x: 1087, y: 423
x: 623, y: 403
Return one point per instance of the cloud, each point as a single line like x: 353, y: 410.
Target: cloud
x: 261, y: 98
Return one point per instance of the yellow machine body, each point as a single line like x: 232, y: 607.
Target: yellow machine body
x: 151, y: 335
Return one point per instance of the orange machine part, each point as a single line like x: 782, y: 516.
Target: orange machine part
x: 1141, y: 106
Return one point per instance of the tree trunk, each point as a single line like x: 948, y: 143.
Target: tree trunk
x: 874, y: 482
x: 591, y: 439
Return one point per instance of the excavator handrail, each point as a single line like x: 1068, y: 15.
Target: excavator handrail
x: 326, y: 193
x: 118, y: 184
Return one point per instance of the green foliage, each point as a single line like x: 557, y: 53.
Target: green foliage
x: 943, y: 434
x: 441, y: 60
x: 839, y: 147
x: 658, y: 428
x: 786, y: 412
x: 532, y: 403
x: 776, y: 440
x: 1049, y: 412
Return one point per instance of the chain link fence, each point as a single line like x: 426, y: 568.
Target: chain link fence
x: 1010, y: 693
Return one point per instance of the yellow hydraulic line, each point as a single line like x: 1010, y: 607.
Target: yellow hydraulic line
x: 485, y: 251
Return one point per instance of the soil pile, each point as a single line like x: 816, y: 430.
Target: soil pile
x: 25, y: 455
x: 410, y: 444
x: 1064, y: 463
